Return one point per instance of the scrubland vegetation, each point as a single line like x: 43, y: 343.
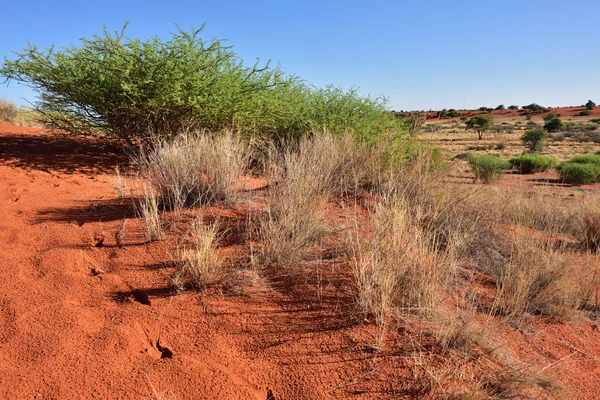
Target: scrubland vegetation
x: 342, y: 176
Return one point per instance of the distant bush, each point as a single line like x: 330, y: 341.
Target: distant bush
x: 557, y: 136
x: 487, y: 168
x: 578, y: 174
x: 595, y: 120
x: 555, y: 125
x: 535, y: 108
x: 590, y: 105
x: 453, y: 113
x: 531, y: 124
x: 586, y: 136
x: 585, y: 113
x: 532, y: 163
x: 500, y: 107
x: 8, y: 111
x: 500, y: 146
x: 480, y: 124
x: 550, y: 116
x: 513, y: 107
x: 535, y: 139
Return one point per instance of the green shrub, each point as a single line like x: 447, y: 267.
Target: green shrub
x: 535, y: 108
x: 590, y: 105
x: 534, y: 139
x: 513, y: 107
x: 532, y: 163
x: 487, y: 168
x: 585, y: 113
x: 140, y: 90
x: 500, y: 107
x: 578, y: 174
x: 586, y: 159
x: 555, y: 125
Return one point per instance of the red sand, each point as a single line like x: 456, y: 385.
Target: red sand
x: 66, y: 333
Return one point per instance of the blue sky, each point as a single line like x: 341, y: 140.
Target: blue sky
x: 423, y: 54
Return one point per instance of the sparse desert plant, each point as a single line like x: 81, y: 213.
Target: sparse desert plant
x: 196, y: 168
x: 535, y: 139
x: 8, y: 111
x: 513, y: 107
x: 487, y: 168
x: 585, y: 113
x: 532, y: 163
x: 119, y: 183
x: 542, y: 280
x: 148, y: 207
x: 398, y: 263
x: 200, y: 263
x: 480, y: 124
x: 590, y: 105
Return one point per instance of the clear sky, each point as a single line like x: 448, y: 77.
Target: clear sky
x: 426, y: 54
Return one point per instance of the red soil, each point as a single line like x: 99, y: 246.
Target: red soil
x: 81, y: 319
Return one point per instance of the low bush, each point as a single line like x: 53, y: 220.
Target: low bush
x: 532, y: 163
x: 578, y: 173
x: 585, y: 113
x: 8, y: 111
x: 535, y: 139
x: 555, y: 125
x: 487, y: 168
x: 586, y: 159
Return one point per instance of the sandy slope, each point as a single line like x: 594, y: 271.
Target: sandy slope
x: 66, y: 333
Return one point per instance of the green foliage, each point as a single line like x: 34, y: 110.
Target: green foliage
x: 532, y: 163
x: 579, y: 174
x: 480, y: 124
x: 535, y: 108
x: 585, y: 113
x: 586, y: 159
x: 487, y: 168
x: 555, y: 125
x: 590, y: 105
x: 513, y: 107
x: 500, y: 107
x: 535, y: 139
x: 452, y: 113
x: 550, y: 116
x: 140, y: 90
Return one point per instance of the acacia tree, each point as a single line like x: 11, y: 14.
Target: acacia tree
x: 480, y: 124
x: 141, y: 89
x: 590, y: 105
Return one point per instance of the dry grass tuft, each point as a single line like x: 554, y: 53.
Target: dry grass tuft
x: 8, y: 111
x: 195, y: 169
x: 200, y: 262
x: 304, y: 178
x: 148, y: 208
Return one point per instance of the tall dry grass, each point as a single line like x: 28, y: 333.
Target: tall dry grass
x: 304, y: 178
x: 195, y: 169
x: 200, y: 263
x: 8, y: 111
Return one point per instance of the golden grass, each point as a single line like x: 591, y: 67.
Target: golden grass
x: 200, y: 263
